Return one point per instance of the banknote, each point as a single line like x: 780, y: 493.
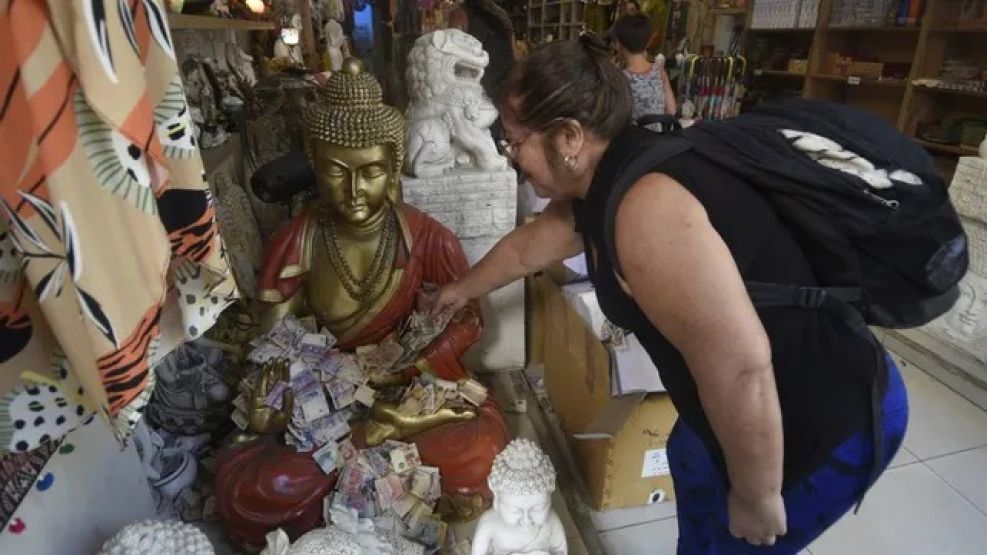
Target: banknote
x: 313, y: 346
x: 327, y: 457
x: 350, y: 371
x: 380, y: 464
x: 473, y: 391
x: 365, y: 395
x: 328, y: 365
x: 404, y: 505
x: 308, y: 392
x: 389, y: 490
x: 241, y: 403
x: 341, y: 392
x: 275, y: 397
x: 239, y: 418
x: 413, y: 402
x: 406, y: 458
x: 347, y: 452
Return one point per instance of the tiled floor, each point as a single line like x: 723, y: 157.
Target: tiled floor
x: 932, y: 501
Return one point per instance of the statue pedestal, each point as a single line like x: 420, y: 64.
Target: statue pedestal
x: 965, y: 325
x: 956, y: 343
x: 480, y: 207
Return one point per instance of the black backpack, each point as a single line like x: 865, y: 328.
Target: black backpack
x: 892, y: 249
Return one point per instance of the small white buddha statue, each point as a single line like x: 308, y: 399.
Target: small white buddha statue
x: 522, y: 520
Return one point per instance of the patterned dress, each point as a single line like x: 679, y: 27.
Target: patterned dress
x: 109, y: 248
x: 648, y: 92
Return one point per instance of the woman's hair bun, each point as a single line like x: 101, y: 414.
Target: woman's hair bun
x: 595, y: 45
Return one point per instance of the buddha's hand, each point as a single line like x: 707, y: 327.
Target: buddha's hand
x: 263, y: 418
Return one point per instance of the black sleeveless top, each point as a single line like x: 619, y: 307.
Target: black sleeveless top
x: 824, y: 371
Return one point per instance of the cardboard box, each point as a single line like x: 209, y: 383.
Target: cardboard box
x: 835, y: 63
x: 867, y: 70
x: 618, y: 442
x: 798, y: 66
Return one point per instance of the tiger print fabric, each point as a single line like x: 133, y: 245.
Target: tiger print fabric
x: 102, y: 203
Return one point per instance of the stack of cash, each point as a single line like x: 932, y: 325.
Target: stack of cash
x: 418, y: 332
x: 390, y: 485
x: 429, y: 394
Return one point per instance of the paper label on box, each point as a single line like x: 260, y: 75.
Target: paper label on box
x: 655, y: 463
x: 853, y: 80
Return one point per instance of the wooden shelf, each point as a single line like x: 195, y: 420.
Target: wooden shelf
x: 727, y: 11
x: 777, y: 73
x: 947, y: 149
x: 783, y: 30
x: 938, y: 90
x: 876, y: 29
x: 897, y: 83
x: 208, y: 22
x: 951, y: 29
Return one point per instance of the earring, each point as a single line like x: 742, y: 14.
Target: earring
x: 571, y: 162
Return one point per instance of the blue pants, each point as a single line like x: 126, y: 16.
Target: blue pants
x: 812, y: 505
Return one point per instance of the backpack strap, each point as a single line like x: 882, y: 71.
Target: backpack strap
x: 644, y: 162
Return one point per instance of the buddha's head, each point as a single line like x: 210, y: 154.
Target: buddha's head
x: 356, y: 144
x: 522, y: 480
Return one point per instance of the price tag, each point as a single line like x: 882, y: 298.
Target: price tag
x: 853, y: 80
x: 655, y: 463
x: 758, y: 72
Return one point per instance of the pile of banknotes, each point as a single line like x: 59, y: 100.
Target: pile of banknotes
x: 390, y: 485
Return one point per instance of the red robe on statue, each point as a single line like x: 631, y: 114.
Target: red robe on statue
x: 427, y: 253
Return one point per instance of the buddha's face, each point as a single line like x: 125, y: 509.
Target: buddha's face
x: 353, y: 182
x: 524, y: 512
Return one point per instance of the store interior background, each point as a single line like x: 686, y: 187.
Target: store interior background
x: 932, y: 500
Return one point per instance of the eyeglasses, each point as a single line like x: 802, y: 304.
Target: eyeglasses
x: 511, y: 148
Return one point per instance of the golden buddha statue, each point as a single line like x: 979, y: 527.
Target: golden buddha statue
x: 357, y: 259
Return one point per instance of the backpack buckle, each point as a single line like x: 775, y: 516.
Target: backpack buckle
x: 810, y: 297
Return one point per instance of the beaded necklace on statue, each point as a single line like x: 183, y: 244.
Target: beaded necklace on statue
x: 359, y: 289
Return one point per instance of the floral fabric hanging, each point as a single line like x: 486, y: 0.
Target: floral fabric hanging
x: 109, y: 248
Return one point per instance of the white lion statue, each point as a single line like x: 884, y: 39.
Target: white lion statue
x: 450, y: 115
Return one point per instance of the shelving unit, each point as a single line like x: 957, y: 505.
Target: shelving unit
x: 558, y: 19
x: 211, y: 23
x: 909, y: 106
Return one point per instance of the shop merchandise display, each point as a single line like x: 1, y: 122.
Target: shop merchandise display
x: 876, y: 13
x: 522, y: 519
x: 714, y: 87
x: 151, y: 537
x: 450, y: 115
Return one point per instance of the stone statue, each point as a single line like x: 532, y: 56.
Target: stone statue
x: 357, y: 258
x: 522, y: 520
x: 964, y: 327
x: 450, y: 115
x: 288, y: 45
x: 242, y: 66
x: 348, y: 534
x: 158, y: 537
x: 336, y: 46
x: 203, y: 106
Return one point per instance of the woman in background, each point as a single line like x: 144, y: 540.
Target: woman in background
x: 651, y: 91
